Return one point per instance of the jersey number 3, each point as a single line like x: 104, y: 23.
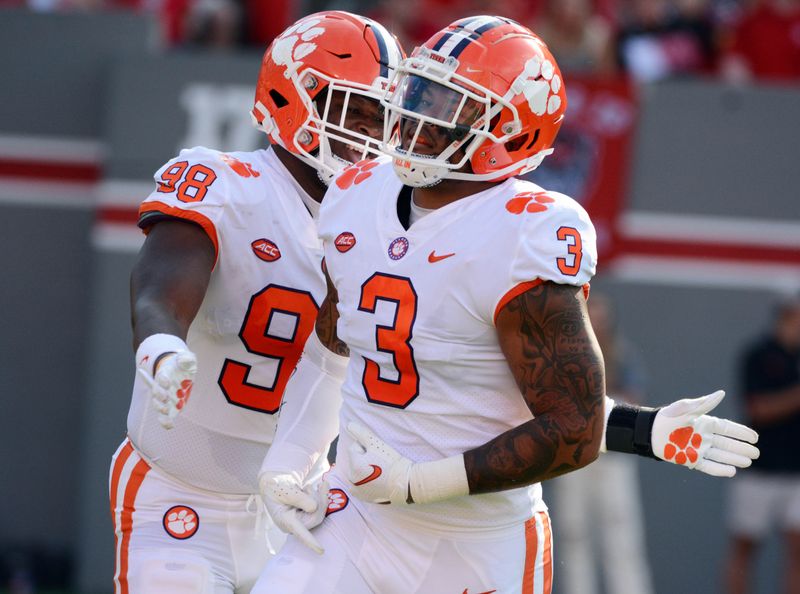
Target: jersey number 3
x: 276, y: 326
x: 395, y: 339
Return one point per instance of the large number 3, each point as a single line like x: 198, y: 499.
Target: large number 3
x: 394, y: 339
x: 259, y: 336
x: 574, y: 249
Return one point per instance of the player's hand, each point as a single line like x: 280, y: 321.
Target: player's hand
x: 378, y: 472
x: 172, y: 385
x: 293, y: 509
x: 683, y: 433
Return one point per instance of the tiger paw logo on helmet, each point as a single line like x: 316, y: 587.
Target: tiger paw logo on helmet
x: 355, y: 174
x: 295, y: 43
x: 540, y: 83
x: 529, y: 202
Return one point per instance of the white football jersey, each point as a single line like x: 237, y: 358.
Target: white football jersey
x: 260, y: 306
x: 418, y: 307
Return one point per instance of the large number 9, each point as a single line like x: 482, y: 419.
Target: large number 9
x: 257, y: 338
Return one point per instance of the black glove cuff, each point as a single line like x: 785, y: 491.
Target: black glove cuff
x: 630, y: 430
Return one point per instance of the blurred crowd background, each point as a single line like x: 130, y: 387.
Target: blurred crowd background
x: 680, y: 139
x: 737, y: 40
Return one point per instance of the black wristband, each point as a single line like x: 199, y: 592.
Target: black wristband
x: 630, y: 430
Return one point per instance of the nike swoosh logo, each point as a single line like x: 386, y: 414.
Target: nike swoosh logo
x: 488, y: 592
x: 432, y: 257
x: 376, y: 472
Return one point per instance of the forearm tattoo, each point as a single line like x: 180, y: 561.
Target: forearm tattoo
x: 547, y: 339
x: 326, y: 322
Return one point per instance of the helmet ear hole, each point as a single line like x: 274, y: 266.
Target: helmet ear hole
x: 533, y: 141
x: 516, y: 143
x: 278, y: 99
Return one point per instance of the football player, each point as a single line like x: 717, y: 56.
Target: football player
x: 224, y: 293
x: 458, y: 291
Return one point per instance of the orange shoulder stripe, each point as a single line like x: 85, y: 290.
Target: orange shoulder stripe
x: 188, y: 215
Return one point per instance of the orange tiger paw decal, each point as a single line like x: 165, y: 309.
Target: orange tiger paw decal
x: 683, y: 445
x: 529, y: 201
x: 242, y: 168
x: 184, y: 392
x: 355, y: 174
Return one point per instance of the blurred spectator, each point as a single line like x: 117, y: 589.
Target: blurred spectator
x: 579, y: 39
x: 415, y: 21
x: 765, y: 44
x: 660, y: 39
x: 598, y: 512
x: 412, y: 21
x: 214, y: 24
x: 767, y: 496
x: 266, y: 19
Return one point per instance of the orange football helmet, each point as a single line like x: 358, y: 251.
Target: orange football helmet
x: 492, y: 86
x: 322, y: 53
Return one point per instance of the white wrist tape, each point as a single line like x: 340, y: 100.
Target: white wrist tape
x: 441, y: 479
x: 609, y: 406
x: 309, y: 417
x: 155, y: 345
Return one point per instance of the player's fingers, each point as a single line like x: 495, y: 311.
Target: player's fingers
x: 735, y: 446
x: 734, y: 430
x: 360, y: 433
x: 358, y: 467
x: 715, y: 468
x: 705, y: 404
x: 186, y: 361
x: 712, y: 468
x: 304, y: 536
x: 728, y: 457
x: 357, y: 449
x: 146, y: 377
x: 166, y: 423
x: 295, y: 497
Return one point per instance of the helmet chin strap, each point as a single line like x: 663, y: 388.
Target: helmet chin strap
x: 330, y: 164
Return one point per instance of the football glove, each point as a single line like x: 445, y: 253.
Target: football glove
x: 683, y: 433
x: 176, y: 369
x: 293, y: 509
x: 380, y: 474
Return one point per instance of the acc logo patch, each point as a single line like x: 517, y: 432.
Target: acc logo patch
x: 181, y: 522
x: 345, y: 241
x: 337, y: 501
x: 266, y: 250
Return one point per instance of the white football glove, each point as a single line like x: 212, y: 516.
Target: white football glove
x: 378, y: 472
x: 293, y: 509
x: 683, y: 433
x: 172, y: 385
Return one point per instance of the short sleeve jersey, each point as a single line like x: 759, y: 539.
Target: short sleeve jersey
x: 259, y: 308
x: 418, y: 308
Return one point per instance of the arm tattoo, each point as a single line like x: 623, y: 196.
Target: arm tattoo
x: 549, y: 344
x: 326, y: 321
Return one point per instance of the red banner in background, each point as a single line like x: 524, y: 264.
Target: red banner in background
x: 591, y: 161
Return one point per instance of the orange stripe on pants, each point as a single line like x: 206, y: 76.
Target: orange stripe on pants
x: 116, y: 472
x: 547, y: 555
x: 530, y: 556
x: 531, y: 553
x: 126, y: 519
